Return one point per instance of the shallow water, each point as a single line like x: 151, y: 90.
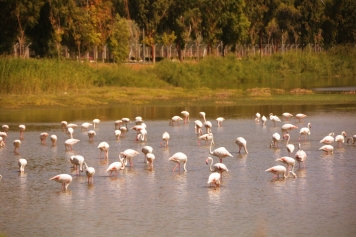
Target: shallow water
x: 159, y: 202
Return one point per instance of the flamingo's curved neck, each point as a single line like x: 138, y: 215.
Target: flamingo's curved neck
x: 211, y: 164
x: 211, y: 145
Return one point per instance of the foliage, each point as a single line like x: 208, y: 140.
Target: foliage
x: 119, y: 41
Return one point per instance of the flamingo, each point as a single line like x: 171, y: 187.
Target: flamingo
x: 241, y: 142
x: 117, y: 124
x: 22, y: 130
x: 214, y: 178
x: 208, y: 126
x: 70, y: 142
x: 43, y: 137
x: 89, y: 171
x: 3, y: 135
x: 289, y: 161
x: 146, y: 150
x: 290, y: 147
x: 198, y: 126
x: 2, y: 143
x: 300, y: 156
x: 353, y: 139
x: 305, y: 131
x: 91, y: 135
x: 70, y: 130
x: 128, y: 154
x: 85, y: 126
x: 64, y: 125
x: 64, y: 179
x: 264, y: 120
x: 206, y: 137
x: 165, y: 138
x: 116, y: 166
x: 328, y: 139
x: 277, y: 170
x: 138, y: 120
x: 275, y: 139
x: 178, y: 158
x: 123, y: 129
x: 329, y: 149
x: 340, y: 138
x: 5, y: 128
x: 220, y: 120
x: 274, y: 118
x: 76, y: 161
x: 95, y: 122
x: 258, y: 116
x: 54, y: 140
x: 220, y: 152
x: 175, y: 119
x: 104, y: 147
x: 22, y: 163
x: 137, y: 128
x: 117, y: 134
x: 186, y: 116
x: 125, y: 121
x: 17, y: 144
x: 217, y: 167
x: 202, y: 115
x: 150, y: 158
x: 287, y: 115
x: 71, y: 125
x: 142, y: 135
x: 288, y: 127
x: 300, y: 117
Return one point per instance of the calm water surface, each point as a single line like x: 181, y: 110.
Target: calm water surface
x: 141, y: 202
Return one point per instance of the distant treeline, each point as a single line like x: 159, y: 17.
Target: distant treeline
x: 45, y: 27
x: 35, y: 76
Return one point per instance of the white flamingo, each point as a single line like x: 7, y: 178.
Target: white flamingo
x: 290, y: 162
x: 54, y: 140
x: 264, y: 120
x: 305, y: 131
x: 175, y: 120
x: 104, y: 147
x: 142, y: 135
x: 64, y: 125
x: 219, y: 121
x: 340, y: 138
x: 277, y: 170
x: 186, y: 116
x: 208, y: 125
x: 300, y: 156
x: 5, y: 128
x: 129, y: 154
x: 117, y: 124
x: 258, y: 116
x: 214, y: 178
x: 202, y: 115
x: 287, y: 115
x: 125, y: 121
x: 116, y: 166
x: 77, y: 161
x: 70, y: 130
x: 69, y: 143
x: 288, y: 127
x: 2, y: 143
x: 138, y: 120
x: 85, y: 126
x: 146, y: 150
x: 217, y: 167
x: 352, y: 139
x: 274, y: 118
x: 329, y: 139
x: 17, y: 144
x: 198, y: 127
x: 290, y: 147
x: 220, y: 152
x: 275, y: 139
x: 241, y: 142
x: 300, y: 117
x: 43, y: 137
x: 91, y: 135
x: 64, y: 179
x: 206, y: 137
x: 96, y: 122
x: 165, y: 138
x: 150, y: 157
x: 89, y: 171
x: 22, y: 163
x: 117, y: 134
x: 178, y: 158
x: 329, y: 149
x: 22, y: 130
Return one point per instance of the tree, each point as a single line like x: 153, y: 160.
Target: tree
x: 119, y: 40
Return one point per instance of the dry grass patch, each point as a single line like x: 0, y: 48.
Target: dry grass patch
x: 301, y: 91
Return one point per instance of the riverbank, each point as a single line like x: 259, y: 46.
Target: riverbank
x: 113, y: 96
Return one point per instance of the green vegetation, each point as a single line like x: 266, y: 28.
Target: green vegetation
x: 44, y: 82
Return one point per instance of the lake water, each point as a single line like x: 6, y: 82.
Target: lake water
x: 159, y: 202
